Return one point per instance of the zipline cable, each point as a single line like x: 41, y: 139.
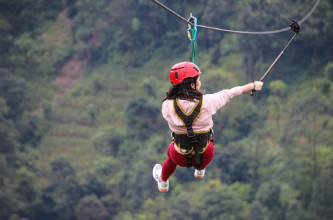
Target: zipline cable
x: 309, y: 13
x: 235, y: 31
x: 172, y: 12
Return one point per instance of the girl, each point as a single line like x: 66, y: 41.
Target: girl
x: 189, y: 112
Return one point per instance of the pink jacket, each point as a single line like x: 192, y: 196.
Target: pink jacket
x: 210, y: 104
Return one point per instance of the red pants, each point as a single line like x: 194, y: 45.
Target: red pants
x: 169, y: 166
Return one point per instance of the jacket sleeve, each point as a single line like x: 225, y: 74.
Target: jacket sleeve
x: 165, y: 109
x: 219, y: 99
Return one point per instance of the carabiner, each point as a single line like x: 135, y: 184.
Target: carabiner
x: 192, y: 29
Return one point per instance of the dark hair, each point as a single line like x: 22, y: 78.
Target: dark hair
x: 184, y: 90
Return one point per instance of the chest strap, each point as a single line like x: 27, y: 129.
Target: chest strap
x: 188, y: 120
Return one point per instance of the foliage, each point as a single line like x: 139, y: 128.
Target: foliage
x: 322, y: 195
x: 12, y: 89
x: 9, y: 134
x: 141, y: 117
x: 91, y: 208
x: 86, y: 150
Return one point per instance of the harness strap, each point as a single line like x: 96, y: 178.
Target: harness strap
x: 188, y: 120
x: 189, y: 161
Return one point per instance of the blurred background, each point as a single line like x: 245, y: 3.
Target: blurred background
x: 81, y: 88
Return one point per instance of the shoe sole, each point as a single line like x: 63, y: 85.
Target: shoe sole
x: 156, y: 179
x: 154, y: 172
x: 162, y: 190
x: 198, y: 177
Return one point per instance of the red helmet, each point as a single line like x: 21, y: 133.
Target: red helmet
x: 183, y: 70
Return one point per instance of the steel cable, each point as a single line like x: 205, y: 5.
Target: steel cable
x: 235, y: 31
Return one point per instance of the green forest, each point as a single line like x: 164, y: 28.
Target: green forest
x: 81, y: 89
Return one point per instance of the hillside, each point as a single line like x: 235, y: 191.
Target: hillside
x: 81, y: 88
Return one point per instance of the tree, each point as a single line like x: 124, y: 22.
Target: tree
x: 220, y: 203
x: 328, y: 71
x: 13, y: 91
x: 323, y: 195
x: 141, y: 117
x: 269, y: 196
x: 306, y: 135
x: 234, y: 163
x: 8, y: 133
x: 62, y: 169
x: 292, y: 210
x: 257, y: 211
x: 90, y: 208
x: 104, y: 165
x: 21, y: 16
x: 278, y: 90
x: 109, y: 140
x: 58, y: 199
x: 94, y: 185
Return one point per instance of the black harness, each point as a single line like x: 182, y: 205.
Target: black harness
x: 191, y: 141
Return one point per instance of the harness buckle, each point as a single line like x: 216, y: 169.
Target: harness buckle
x: 193, y: 139
x: 191, y: 136
x: 188, y: 124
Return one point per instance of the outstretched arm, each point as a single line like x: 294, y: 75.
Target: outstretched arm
x: 256, y: 85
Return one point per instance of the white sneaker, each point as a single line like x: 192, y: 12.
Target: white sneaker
x: 162, y: 186
x: 199, y: 173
